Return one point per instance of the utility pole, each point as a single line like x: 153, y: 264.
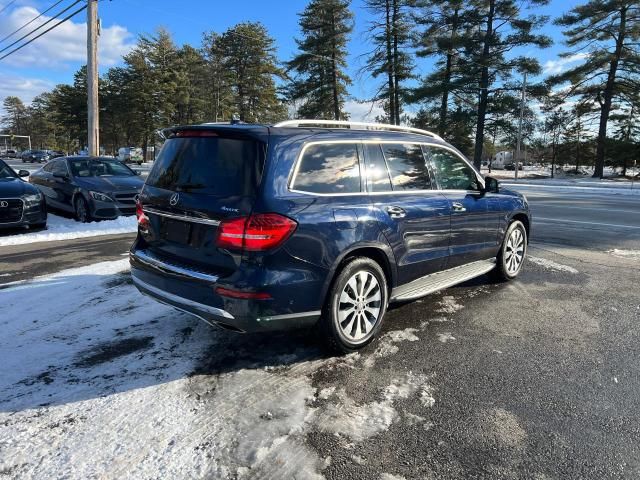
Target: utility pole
x: 93, y: 140
x: 524, y: 87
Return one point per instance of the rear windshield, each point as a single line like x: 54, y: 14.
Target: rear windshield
x: 217, y: 166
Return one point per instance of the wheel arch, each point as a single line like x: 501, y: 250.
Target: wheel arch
x: 380, y: 254
x: 526, y: 221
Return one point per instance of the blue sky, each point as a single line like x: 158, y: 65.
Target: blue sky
x: 56, y: 56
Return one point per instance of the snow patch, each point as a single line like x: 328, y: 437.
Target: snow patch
x: 361, y: 421
x: 358, y: 422
x: 448, y: 305
x: 388, y: 476
x: 551, y: 265
x: 60, y: 228
x: 387, y: 344
x: 93, y: 370
x: 446, y: 337
x: 624, y: 253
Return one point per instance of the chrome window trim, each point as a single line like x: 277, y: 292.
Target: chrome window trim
x: 294, y: 172
x: 294, y: 175
x: 23, y: 209
x: 147, y: 259
x: 184, y: 218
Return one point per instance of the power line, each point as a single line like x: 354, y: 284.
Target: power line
x: 46, y: 31
x: 31, y: 21
x: 7, y: 5
x: 40, y: 26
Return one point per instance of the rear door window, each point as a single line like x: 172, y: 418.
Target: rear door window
x: 407, y: 166
x: 328, y: 169
x: 222, y: 167
x: 377, y: 172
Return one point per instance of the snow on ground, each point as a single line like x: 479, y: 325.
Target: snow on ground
x: 60, y: 228
x: 551, y: 265
x: 101, y: 382
x: 624, y: 253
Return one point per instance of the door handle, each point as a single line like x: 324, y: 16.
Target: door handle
x: 458, y: 207
x: 396, y: 212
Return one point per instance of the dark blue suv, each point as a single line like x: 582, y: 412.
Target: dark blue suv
x: 303, y: 223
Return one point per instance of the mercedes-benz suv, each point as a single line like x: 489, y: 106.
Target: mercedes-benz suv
x: 317, y: 223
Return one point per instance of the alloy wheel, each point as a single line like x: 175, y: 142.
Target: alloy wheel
x: 359, y: 306
x: 514, y: 254
x: 81, y: 211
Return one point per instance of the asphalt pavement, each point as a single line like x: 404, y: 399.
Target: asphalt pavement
x: 533, y: 379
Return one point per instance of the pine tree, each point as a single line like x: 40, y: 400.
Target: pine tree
x: 443, y: 35
x: 218, y: 90
x: 608, y: 32
x: 16, y: 115
x: 390, y: 34
x: 321, y: 82
x: 496, y: 28
x: 249, y: 58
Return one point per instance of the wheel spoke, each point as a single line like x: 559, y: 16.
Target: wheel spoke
x: 346, y: 299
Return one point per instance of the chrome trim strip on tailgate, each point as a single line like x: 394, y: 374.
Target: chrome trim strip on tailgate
x: 184, y: 218
x: 147, y: 259
x: 170, y: 297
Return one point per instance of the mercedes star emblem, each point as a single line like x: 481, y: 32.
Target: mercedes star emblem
x: 173, y: 201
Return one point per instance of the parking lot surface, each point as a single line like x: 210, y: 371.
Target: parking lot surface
x: 536, y: 378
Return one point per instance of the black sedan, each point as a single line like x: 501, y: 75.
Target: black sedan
x: 92, y: 188
x: 21, y: 204
x: 35, y: 156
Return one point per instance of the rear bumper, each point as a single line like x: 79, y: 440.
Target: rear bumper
x: 194, y: 292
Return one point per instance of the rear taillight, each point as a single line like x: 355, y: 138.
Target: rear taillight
x: 143, y: 220
x: 255, y: 233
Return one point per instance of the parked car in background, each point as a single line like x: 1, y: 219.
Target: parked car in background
x: 55, y: 154
x: 131, y: 155
x: 92, y: 188
x: 8, y: 153
x: 35, y: 156
x: 21, y: 204
x: 270, y: 227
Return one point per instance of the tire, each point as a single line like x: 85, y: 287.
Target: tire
x: 362, y: 284
x: 510, y: 261
x: 81, y: 209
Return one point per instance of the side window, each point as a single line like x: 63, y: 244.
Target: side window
x: 329, y: 168
x: 452, y: 172
x: 59, y: 167
x: 48, y: 167
x: 377, y: 172
x: 407, y: 166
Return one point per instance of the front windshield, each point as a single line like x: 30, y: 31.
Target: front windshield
x: 97, y: 167
x: 5, y: 171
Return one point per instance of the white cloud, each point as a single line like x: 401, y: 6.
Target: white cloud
x: 22, y: 87
x: 363, y: 111
x: 554, y: 67
x: 64, y: 44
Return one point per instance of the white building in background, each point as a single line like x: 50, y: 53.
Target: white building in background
x: 501, y: 160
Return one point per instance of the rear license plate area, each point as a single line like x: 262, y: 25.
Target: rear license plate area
x: 176, y: 231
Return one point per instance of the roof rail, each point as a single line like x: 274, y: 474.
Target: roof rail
x: 355, y: 126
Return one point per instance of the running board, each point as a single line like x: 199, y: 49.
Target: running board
x: 440, y: 280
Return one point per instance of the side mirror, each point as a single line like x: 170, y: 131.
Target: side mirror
x: 23, y: 173
x: 491, y: 185
x: 63, y: 176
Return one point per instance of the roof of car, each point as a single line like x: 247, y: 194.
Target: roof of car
x: 320, y: 129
